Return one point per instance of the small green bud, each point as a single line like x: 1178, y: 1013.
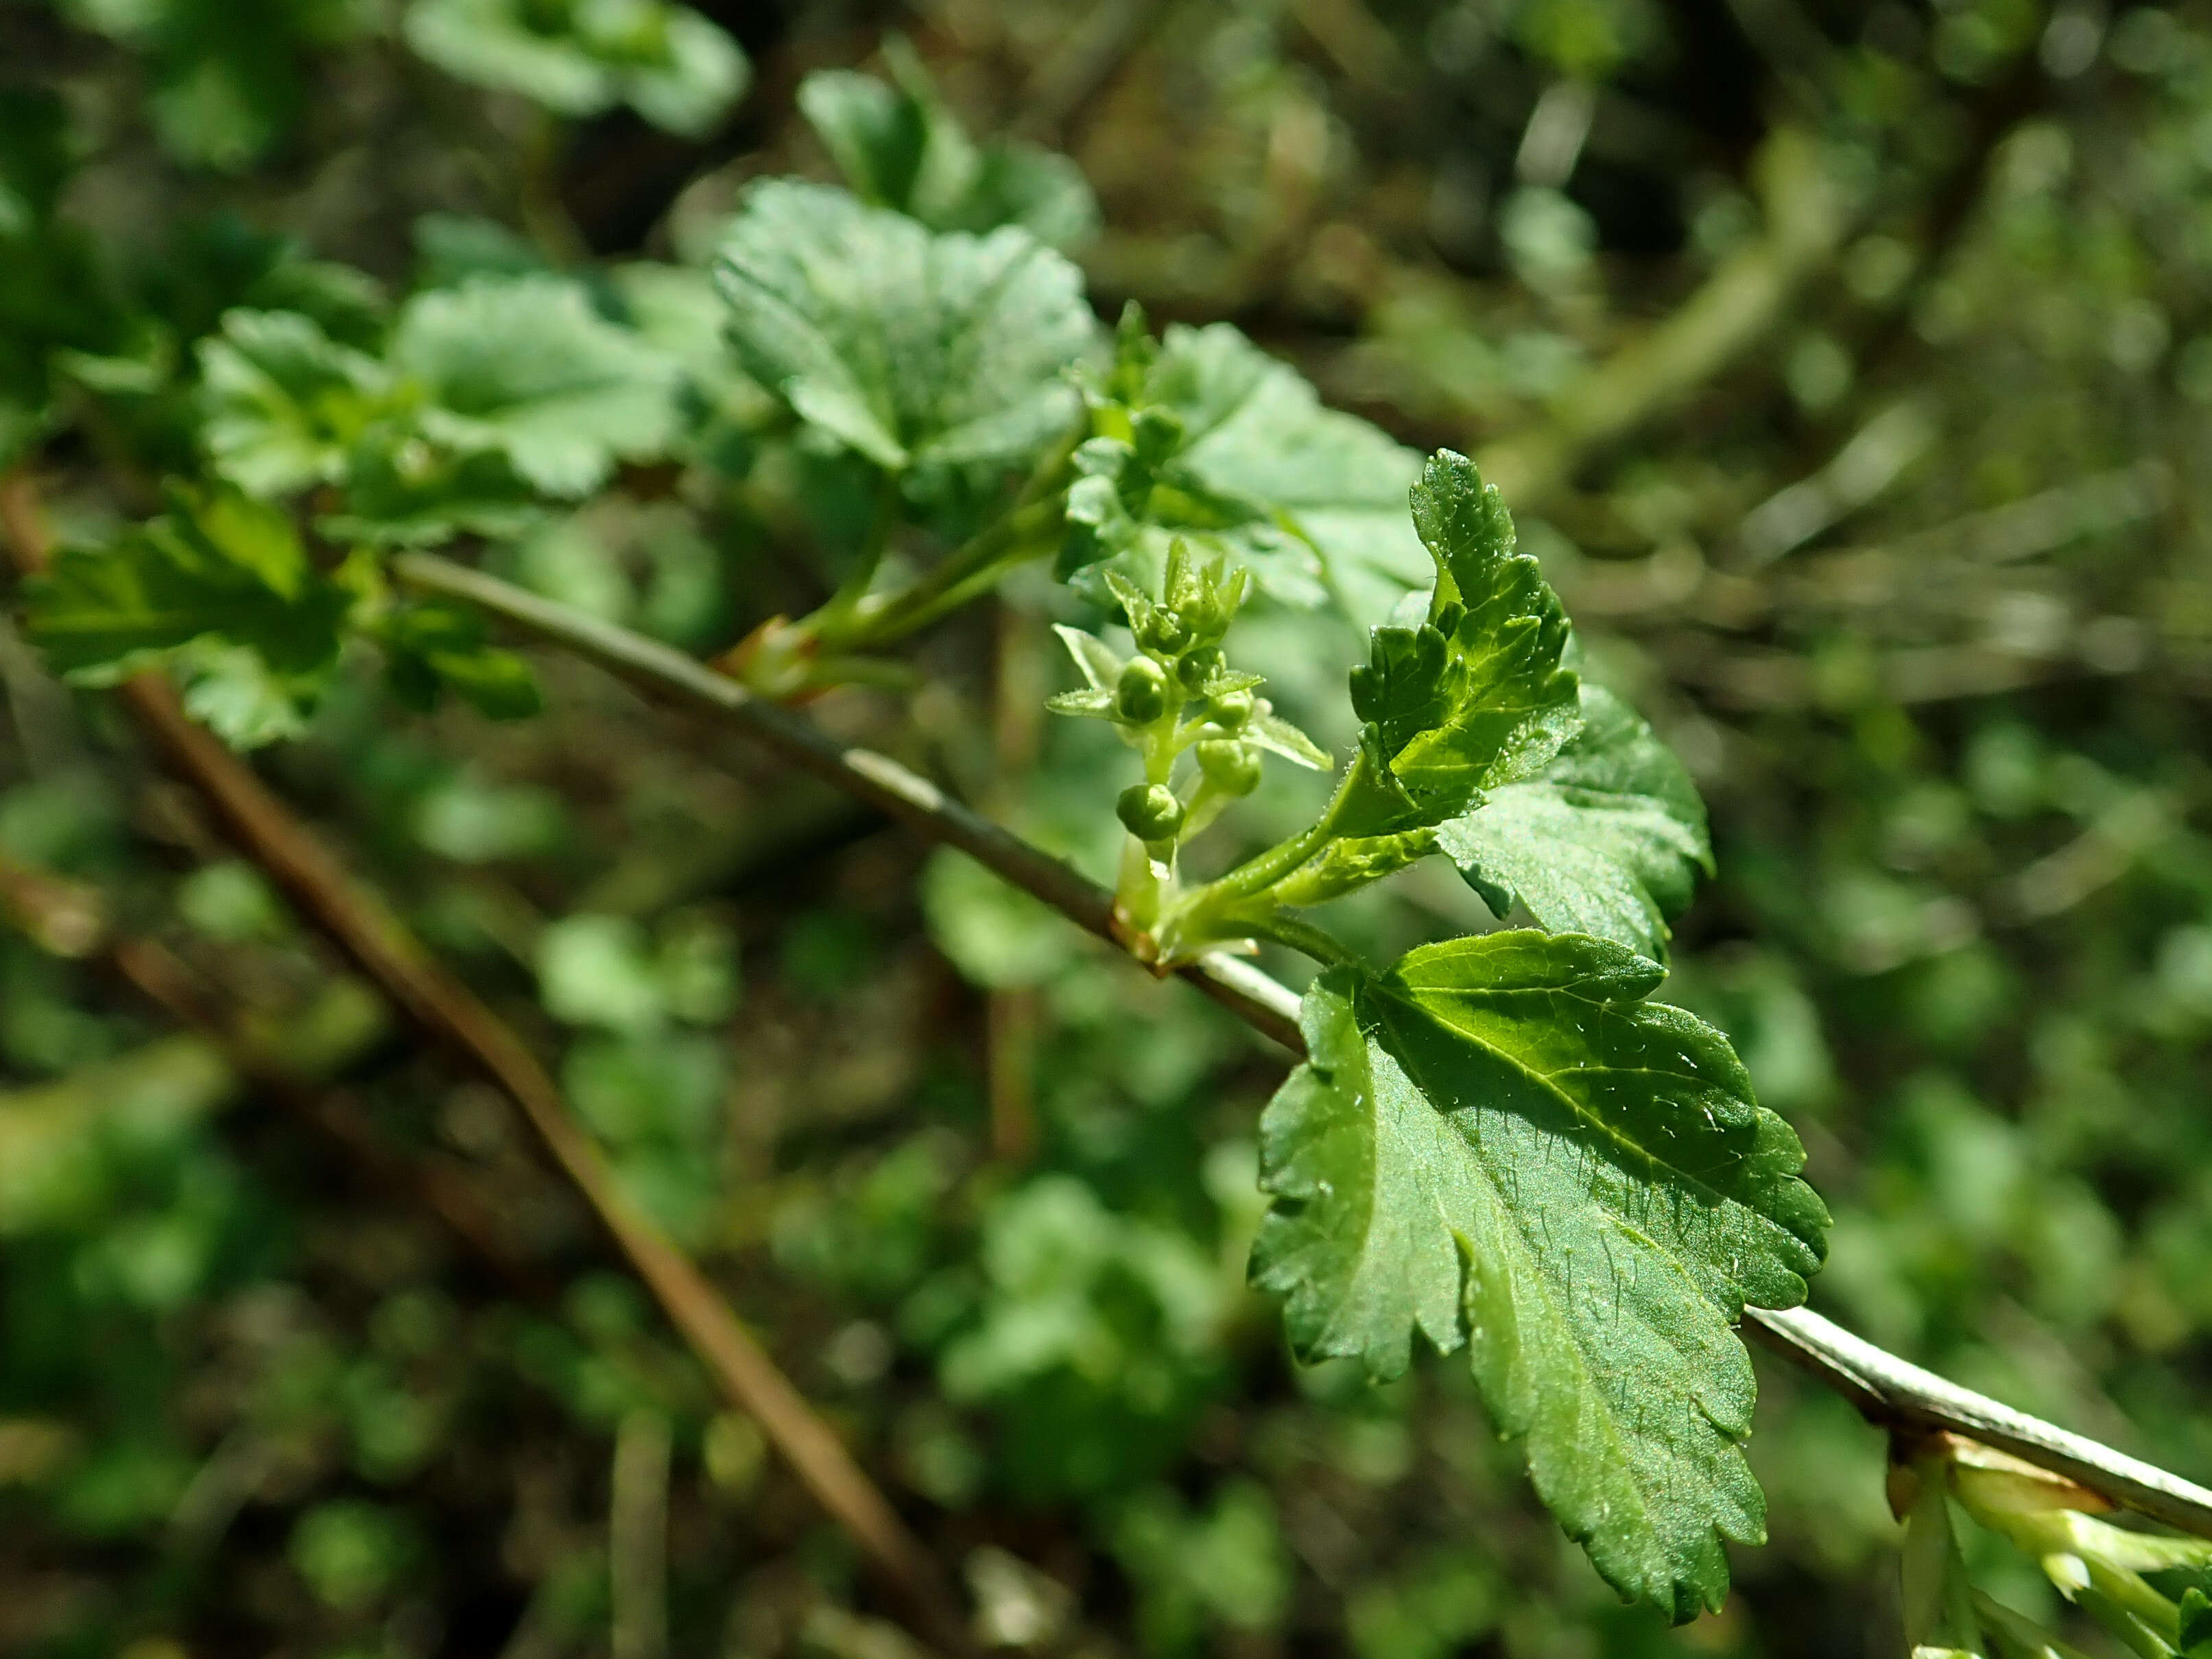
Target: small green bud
x: 1166, y: 632
x: 1140, y: 696
x: 1230, y: 767
x: 1232, y: 710
x: 1196, y: 666
x: 1208, y: 617
x: 1150, y: 812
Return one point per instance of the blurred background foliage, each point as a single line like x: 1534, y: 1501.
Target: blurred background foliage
x: 1847, y: 364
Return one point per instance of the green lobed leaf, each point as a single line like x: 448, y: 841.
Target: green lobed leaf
x: 1606, y: 839
x: 1501, y: 1144
x: 220, y: 583
x: 899, y: 146
x: 583, y: 57
x: 1098, y: 664
x: 1257, y: 469
x: 282, y: 402
x: 522, y: 367
x: 1478, y: 695
x: 920, y: 351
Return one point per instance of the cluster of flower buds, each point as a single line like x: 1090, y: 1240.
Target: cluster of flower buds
x: 1178, y: 694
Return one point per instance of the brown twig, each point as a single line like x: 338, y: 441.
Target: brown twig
x: 1888, y: 1390
x: 376, y: 939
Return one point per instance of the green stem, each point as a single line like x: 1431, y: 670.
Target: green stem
x: 842, y: 604
x: 1028, y: 528
x: 1318, y: 943
x: 1023, y: 533
x: 1262, y: 872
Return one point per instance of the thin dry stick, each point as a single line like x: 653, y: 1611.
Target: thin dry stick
x: 1888, y: 1391
x: 380, y: 944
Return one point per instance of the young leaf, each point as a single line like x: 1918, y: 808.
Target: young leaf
x: 1477, y: 697
x: 899, y: 147
x: 523, y: 367
x: 219, y: 567
x: 1094, y: 659
x: 918, y: 351
x: 1351, y: 862
x: 583, y: 57
x: 283, y: 401
x: 1607, y: 838
x: 1501, y: 1144
x: 1311, y: 499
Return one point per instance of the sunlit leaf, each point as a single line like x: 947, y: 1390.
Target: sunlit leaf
x: 1608, y: 838
x: 918, y: 350
x: 1502, y: 1145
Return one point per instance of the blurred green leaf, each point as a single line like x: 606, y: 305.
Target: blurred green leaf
x: 522, y: 367
x: 352, y: 1552
x: 997, y: 935
x: 922, y: 352
x: 284, y: 402
x: 1227, y: 1567
x: 598, y: 970
x: 583, y: 57
x: 219, y: 574
x: 1096, y: 1344
x: 435, y: 647
x: 229, y: 75
x: 899, y: 146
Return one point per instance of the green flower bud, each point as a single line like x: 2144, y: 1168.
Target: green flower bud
x: 1140, y: 696
x: 1230, y: 767
x: 1207, y: 615
x: 1150, y: 812
x: 1166, y: 632
x: 1231, y: 711
x: 1195, y: 667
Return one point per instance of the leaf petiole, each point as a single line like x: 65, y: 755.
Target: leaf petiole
x: 852, y: 592
x: 1021, y: 534
x: 1255, y: 875
x: 1318, y: 943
